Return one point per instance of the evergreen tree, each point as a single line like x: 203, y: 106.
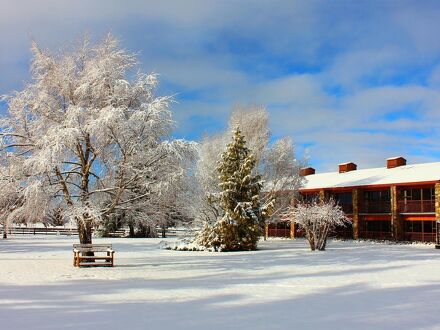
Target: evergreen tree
x: 238, y: 229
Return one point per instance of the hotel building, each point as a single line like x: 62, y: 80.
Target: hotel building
x: 398, y: 201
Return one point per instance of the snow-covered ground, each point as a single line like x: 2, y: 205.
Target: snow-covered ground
x: 352, y: 285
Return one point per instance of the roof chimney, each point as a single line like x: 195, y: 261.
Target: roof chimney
x: 306, y: 171
x: 396, y: 162
x: 347, y: 167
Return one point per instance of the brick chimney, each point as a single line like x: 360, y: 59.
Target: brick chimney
x: 306, y: 171
x: 347, y: 167
x: 396, y: 162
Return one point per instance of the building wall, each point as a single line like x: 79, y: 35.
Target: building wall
x: 391, y: 222
x: 398, y: 221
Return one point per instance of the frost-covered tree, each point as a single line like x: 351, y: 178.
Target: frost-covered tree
x: 238, y: 228
x: 280, y: 171
x: 205, y: 209
x: 173, y: 208
x: 55, y: 217
x: 317, y: 219
x: 10, y: 200
x: 90, y: 134
x: 254, y: 124
x: 275, y: 162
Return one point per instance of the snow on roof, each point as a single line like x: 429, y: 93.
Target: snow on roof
x: 374, y: 176
x: 392, y: 158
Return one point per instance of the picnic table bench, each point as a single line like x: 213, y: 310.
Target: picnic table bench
x: 92, y: 255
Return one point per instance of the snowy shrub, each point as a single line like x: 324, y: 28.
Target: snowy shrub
x: 317, y: 219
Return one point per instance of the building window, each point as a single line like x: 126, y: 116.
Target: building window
x: 308, y: 198
x: 418, y: 194
x: 345, y: 200
x: 378, y: 196
x: 417, y: 200
x: 378, y: 226
x: 376, y: 202
x: 420, y: 231
x: 377, y: 230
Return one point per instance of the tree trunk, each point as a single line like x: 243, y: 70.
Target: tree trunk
x: 311, y: 238
x: 5, y: 231
x: 131, y: 228
x: 321, y: 247
x: 312, y: 243
x: 85, y: 231
x: 85, y: 235
x: 323, y: 238
x: 262, y: 226
x: 164, y: 232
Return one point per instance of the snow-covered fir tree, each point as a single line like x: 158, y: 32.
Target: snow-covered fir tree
x: 239, y: 227
x: 89, y: 135
x: 275, y: 162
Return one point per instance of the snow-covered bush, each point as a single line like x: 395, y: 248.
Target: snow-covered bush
x: 317, y: 219
x: 239, y: 198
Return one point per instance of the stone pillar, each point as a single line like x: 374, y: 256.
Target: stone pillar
x: 437, y: 213
x: 322, y: 196
x: 356, y: 219
x: 292, y: 230
x: 293, y: 202
x: 397, y: 225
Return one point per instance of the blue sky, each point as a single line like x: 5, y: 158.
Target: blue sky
x: 348, y: 80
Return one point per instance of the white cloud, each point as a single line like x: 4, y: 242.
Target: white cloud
x: 291, y: 56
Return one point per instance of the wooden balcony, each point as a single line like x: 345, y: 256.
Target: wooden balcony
x: 421, y: 206
x: 274, y: 232
x: 375, y: 207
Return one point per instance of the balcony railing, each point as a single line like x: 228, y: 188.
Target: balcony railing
x: 420, y: 236
x: 422, y: 206
x: 375, y: 207
x: 381, y: 235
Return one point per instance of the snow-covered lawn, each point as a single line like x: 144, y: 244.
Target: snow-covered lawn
x: 352, y: 285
